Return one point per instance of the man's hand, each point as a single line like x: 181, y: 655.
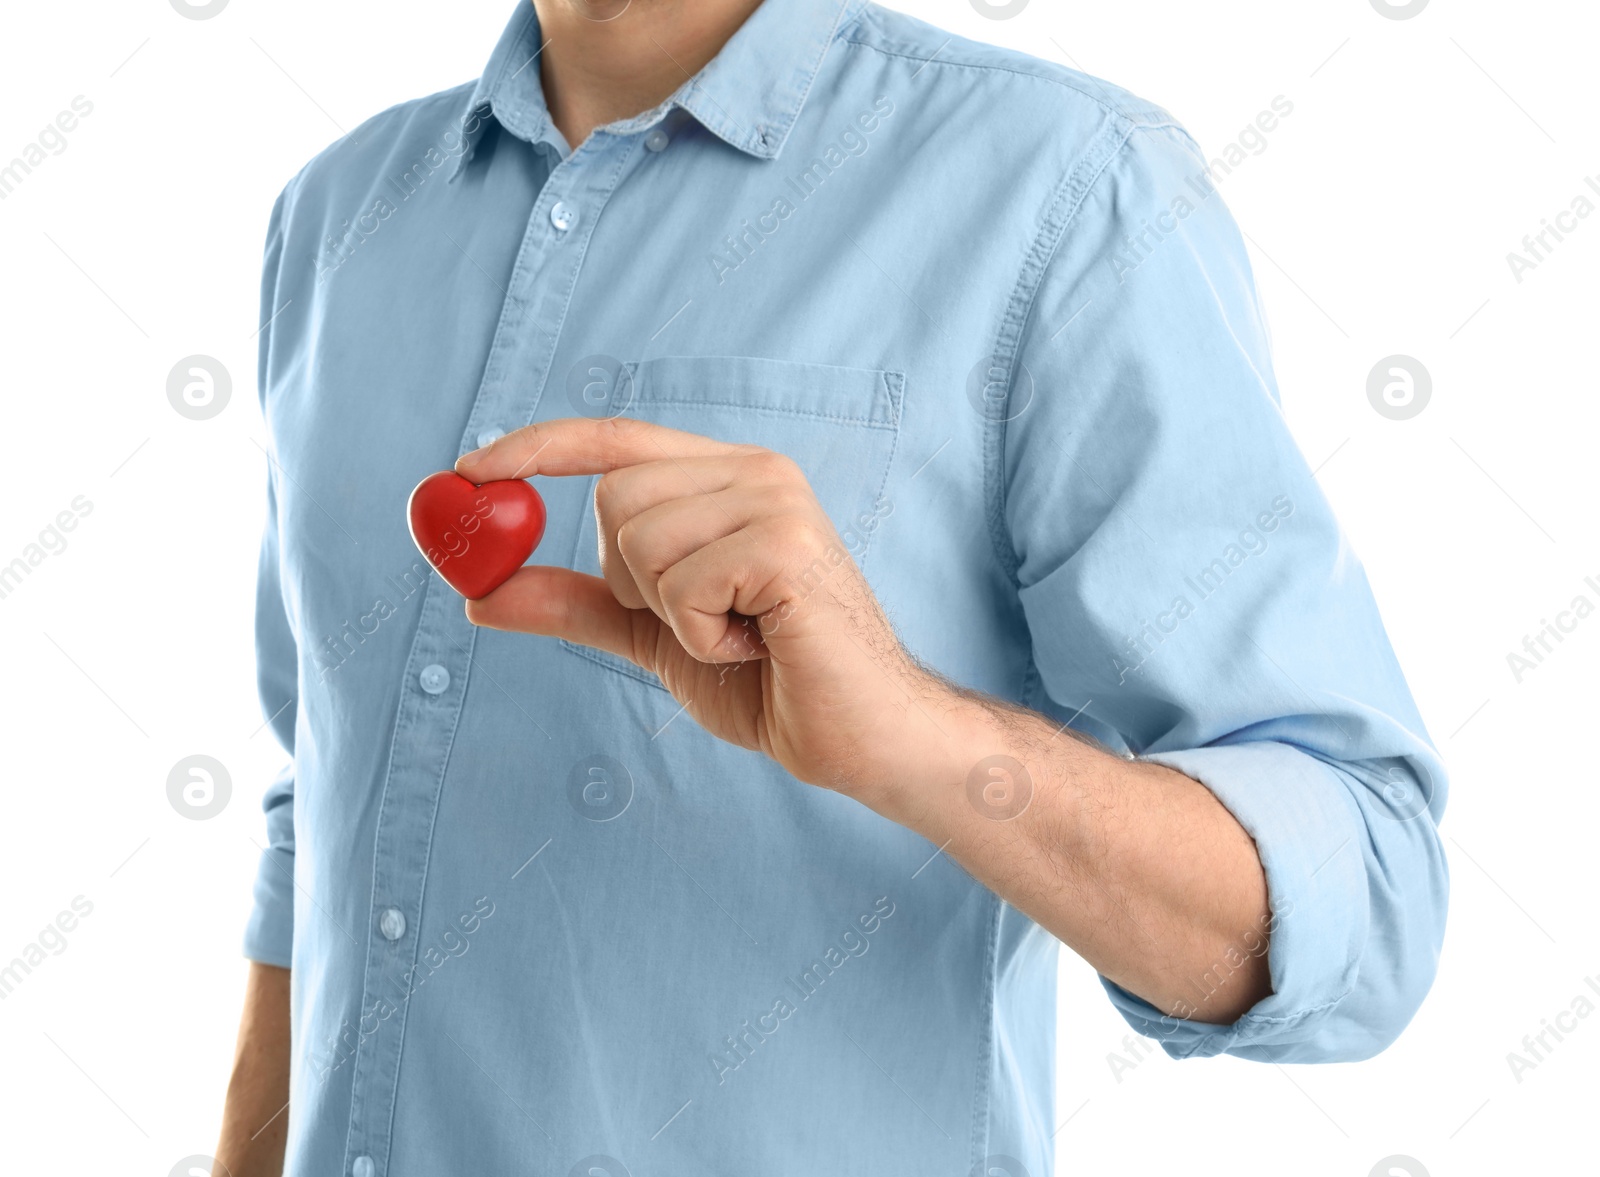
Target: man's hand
x: 723, y: 575
x: 255, y: 1119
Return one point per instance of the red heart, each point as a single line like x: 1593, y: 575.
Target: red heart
x: 475, y: 535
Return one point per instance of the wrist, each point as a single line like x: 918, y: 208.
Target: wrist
x: 947, y: 746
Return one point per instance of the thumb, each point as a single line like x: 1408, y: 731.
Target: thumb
x: 561, y: 603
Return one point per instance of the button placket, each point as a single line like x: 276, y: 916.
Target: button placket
x: 419, y: 751
x: 522, y: 351
x: 436, y: 671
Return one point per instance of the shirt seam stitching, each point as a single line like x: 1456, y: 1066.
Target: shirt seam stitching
x: 1248, y: 1025
x: 422, y: 895
x: 493, y: 87
x: 1084, y: 175
x: 987, y: 1045
x: 868, y: 422
x: 539, y: 215
x: 887, y: 380
x: 844, y: 19
x: 1165, y: 118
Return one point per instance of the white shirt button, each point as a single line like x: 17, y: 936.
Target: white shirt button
x: 656, y: 140
x: 392, y: 923
x: 363, y: 1166
x: 490, y: 435
x: 435, y: 679
x: 563, y: 216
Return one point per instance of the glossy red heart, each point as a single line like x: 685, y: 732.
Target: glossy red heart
x: 474, y: 535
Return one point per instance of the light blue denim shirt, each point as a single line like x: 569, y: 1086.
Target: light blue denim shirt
x: 539, y: 921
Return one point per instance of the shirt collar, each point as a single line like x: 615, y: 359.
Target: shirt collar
x: 749, y: 95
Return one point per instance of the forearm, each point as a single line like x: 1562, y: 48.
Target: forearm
x: 1136, y: 867
x: 255, y: 1118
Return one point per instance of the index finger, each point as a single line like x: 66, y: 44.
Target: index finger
x: 583, y: 445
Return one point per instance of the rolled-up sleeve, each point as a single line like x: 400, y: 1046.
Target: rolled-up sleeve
x: 269, y: 932
x: 1186, y: 585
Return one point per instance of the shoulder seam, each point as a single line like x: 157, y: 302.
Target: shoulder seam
x: 1081, y: 179
x: 374, y: 121
x: 1150, y: 116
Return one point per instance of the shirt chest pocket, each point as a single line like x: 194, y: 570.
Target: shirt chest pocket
x: 840, y: 425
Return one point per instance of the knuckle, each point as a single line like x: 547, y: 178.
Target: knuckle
x: 673, y: 588
x: 676, y: 595
x: 793, y: 533
x: 643, y: 639
x: 629, y: 543
x: 619, y: 430
x: 522, y: 440
x: 771, y: 466
x: 608, y: 494
x: 788, y: 499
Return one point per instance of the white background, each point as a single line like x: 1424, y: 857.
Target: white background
x: 1419, y: 153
